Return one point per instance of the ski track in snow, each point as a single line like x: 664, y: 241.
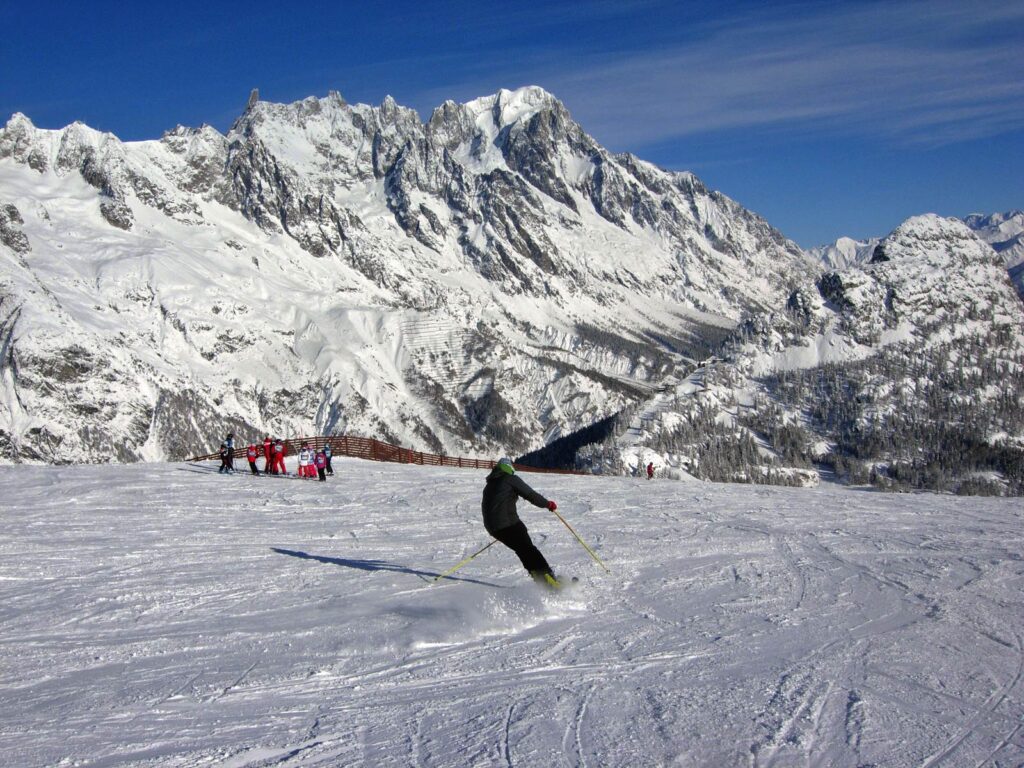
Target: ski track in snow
x: 161, y: 617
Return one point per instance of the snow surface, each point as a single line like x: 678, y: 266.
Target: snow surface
x: 165, y: 615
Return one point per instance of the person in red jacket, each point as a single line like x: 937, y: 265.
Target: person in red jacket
x: 320, y: 462
x: 279, y: 452
x: 650, y: 470
x: 268, y: 446
x: 251, y: 453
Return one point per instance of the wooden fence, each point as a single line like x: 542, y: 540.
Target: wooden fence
x: 375, y: 450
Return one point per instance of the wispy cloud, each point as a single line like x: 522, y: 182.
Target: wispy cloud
x: 917, y: 72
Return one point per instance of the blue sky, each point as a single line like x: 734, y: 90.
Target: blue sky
x: 828, y: 118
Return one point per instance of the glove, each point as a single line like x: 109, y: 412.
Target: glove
x: 552, y: 506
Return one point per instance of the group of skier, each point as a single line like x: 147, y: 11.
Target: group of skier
x: 312, y: 463
x: 315, y: 463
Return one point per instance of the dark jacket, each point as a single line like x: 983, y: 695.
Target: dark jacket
x: 499, y: 501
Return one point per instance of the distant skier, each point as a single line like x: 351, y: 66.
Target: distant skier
x: 279, y: 452
x: 502, y: 490
x: 650, y: 470
x: 229, y: 441
x: 327, y: 453
x: 225, y: 459
x: 268, y: 447
x: 305, y: 461
x: 320, y: 462
x: 251, y: 453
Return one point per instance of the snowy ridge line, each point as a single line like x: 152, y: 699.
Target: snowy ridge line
x: 435, y: 232
x: 375, y: 450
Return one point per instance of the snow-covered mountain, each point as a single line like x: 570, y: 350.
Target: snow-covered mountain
x: 488, y: 279
x: 1004, y: 232
x: 906, y: 371
x: 844, y: 252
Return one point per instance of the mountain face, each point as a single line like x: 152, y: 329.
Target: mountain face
x: 905, y: 371
x: 1004, y: 233
x: 844, y: 252
x: 484, y: 281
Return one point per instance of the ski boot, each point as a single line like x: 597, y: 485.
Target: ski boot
x: 546, y: 579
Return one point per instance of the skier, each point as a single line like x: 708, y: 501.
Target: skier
x: 305, y: 460
x: 650, y: 470
x: 502, y: 490
x: 251, y: 453
x: 225, y: 459
x: 320, y: 462
x: 279, y: 452
x: 327, y: 453
x: 268, y: 445
x: 229, y: 441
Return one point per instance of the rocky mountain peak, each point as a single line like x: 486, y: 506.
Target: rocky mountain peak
x: 932, y: 241
x: 510, y: 106
x: 17, y: 141
x: 19, y: 122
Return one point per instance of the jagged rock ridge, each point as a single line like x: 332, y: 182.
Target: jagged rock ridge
x: 486, y: 280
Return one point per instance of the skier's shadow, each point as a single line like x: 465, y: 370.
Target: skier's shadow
x: 377, y: 565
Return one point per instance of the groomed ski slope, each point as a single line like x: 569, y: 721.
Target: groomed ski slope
x: 163, y: 615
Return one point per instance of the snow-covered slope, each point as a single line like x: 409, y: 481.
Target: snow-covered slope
x: 908, y: 372
x: 486, y: 280
x: 1005, y: 233
x: 156, y: 616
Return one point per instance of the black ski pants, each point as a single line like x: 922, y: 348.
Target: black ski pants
x: 252, y: 466
x: 517, y: 538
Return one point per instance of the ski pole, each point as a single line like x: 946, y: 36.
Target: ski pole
x: 581, y: 541
x: 461, y: 563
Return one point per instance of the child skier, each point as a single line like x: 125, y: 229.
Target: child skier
x: 320, y: 462
x: 305, y: 460
x: 498, y: 505
x: 279, y: 451
x: 327, y: 453
x: 251, y: 453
